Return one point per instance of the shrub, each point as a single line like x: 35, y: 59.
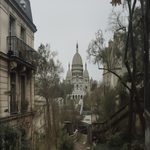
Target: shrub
x: 115, y: 140
x: 65, y: 142
x: 8, y: 137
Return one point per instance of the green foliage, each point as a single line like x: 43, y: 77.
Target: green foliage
x: 125, y: 146
x: 94, y: 85
x: 137, y: 146
x: 134, y: 146
x: 13, y: 138
x: 48, y: 72
x: 102, y: 104
x: 65, y: 142
x: 96, y: 47
x: 109, y: 102
x: 115, y: 140
x: 123, y: 95
x: 25, y: 143
x: 8, y: 138
x: 65, y: 89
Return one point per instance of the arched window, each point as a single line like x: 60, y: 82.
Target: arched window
x: 77, y: 86
x: 76, y: 96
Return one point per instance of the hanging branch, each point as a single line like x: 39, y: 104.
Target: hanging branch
x: 119, y: 77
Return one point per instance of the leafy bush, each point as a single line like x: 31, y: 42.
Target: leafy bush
x: 8, y: 137
x: 135, y: 146
x: 115, y: 140
x: 13, y: 138
x: 125, y: 146
x: 65, y: 142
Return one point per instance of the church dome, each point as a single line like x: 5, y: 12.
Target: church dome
x: 77, y: 65
x: 77, y: 60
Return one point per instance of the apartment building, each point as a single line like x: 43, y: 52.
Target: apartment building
x: 17, y: 65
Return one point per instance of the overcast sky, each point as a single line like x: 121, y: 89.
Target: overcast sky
x: 62, y: 23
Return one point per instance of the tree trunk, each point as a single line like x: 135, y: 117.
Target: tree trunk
x: 133, y: 93
x: 145, y: 5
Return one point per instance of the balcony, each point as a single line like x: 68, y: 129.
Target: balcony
x: 18, y: 49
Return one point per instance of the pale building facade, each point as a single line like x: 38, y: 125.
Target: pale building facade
x: 16, y: 64
x: 39, y: 121
x: 115, y: 63
x: 79, y: 77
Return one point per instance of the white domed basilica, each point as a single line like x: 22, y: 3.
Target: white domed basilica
x: 78, y: 76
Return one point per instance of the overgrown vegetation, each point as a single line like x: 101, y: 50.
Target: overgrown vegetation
x: 55, y: 92
x: 123, y: 61
x: 65, y: 142
x: 13, y: 138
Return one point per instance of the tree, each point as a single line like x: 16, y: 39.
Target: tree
x: 65, y: 142
x: 65, y: 90
x: 47, y: 81
x: 145, y: 15
x: 131, y: 52
x: 101, y: 104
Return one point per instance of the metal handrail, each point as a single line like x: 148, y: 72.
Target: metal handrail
x: 18, y: 48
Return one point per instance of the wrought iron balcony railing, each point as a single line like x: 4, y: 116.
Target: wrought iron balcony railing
x: 18, y: 48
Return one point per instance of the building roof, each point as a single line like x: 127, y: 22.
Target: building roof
x: 23, y: 9
x: 77, y: 65
x: 77, y: 60
x: 26, y: 9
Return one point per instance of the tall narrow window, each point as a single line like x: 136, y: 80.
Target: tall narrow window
x: 11, y: 26
x: 77, y: 86
x: 23, y: 34
x: 13, y: 104
x: 11, y: 43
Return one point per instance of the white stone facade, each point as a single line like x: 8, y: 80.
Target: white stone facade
x: 79, y: 77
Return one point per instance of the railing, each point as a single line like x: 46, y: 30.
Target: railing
x: 16, y: 116
x: 18, y: 48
